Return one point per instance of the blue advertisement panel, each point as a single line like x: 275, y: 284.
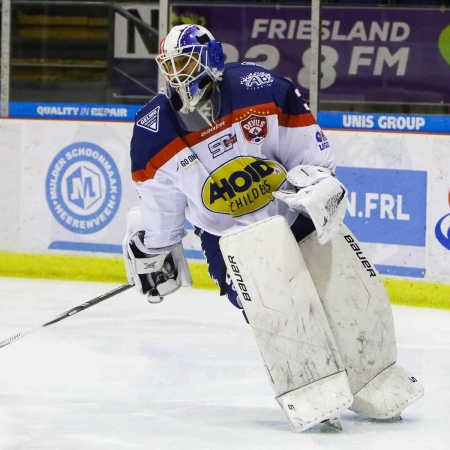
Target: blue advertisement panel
x: 73, y: 111
x: 403, y: 123
x: 386, y: 206
x: 387, y: 211
x: 368, y: 54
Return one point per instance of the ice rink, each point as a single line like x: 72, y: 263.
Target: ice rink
x: 184, y: 374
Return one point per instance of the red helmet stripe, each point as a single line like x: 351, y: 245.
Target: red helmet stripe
x: 161, y: 45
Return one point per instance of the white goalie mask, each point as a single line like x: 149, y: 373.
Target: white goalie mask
x: 190, y: 60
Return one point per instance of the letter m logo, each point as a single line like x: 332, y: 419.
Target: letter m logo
x: 83, y: 187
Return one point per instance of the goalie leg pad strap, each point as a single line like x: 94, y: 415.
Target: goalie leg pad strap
x: 287, y: 318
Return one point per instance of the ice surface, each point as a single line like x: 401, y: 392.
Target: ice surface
x: 184, y: 374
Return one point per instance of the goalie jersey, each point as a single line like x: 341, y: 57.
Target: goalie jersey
x: 221, y: 177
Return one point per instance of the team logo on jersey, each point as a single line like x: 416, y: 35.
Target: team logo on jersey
x: 322, y: 140
x: 257, y: 80
x: 242, y: 185
x: 442, y: 229
x: 222, y: 144
x: 83, y: 188
x: 150, y: 121
x: 254, y: 128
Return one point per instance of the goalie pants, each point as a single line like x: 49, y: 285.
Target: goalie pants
x: 216, y: 265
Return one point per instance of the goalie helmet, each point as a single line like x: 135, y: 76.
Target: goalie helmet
x: 190, y: 60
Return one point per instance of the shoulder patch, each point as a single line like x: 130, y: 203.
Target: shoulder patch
x: 257, y: 80
x: 150, y: 121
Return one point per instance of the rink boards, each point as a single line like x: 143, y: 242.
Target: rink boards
x: 66, y: 188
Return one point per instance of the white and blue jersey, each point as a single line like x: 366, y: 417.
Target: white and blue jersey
x: 221, y: 178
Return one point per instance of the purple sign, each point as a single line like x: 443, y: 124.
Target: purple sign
x: 368, y: 54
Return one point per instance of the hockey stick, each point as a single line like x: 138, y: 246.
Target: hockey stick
x: 70, y: 312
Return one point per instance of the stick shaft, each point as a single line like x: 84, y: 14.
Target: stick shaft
x: 70, y: 312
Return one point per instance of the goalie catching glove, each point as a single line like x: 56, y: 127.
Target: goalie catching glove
x: 155, y: 272
x: 321, y: 197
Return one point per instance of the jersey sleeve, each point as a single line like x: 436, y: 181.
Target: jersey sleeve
x: 163, y: 211
x: 162, y: 203
x: 301, y: 140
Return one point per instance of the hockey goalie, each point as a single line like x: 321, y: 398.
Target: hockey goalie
x: 234, y: 149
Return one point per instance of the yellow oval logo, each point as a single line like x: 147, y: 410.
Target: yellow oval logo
x: 242, y: 185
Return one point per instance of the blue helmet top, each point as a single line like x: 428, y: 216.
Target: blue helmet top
x: 190, y: 60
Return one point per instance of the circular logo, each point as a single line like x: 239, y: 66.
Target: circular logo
x: 442, y: 231
x: 83, y: 188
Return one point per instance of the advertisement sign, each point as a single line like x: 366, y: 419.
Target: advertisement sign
x: 387, y: 211
x: 67, y: 187
x: 75, y: 185
x: 368, y: 54
x: 73, y: 111
x: 438, y: 249
x: 83, y: 188
x: 397, y: 123
x: 386, y: 206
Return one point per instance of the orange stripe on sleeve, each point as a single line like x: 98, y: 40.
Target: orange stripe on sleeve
x: 299, y: 120
x: 155, y: 163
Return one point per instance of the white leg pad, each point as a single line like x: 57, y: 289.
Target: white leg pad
x: 388, y: 394
x: 359, y: 312
x: 288, y: 321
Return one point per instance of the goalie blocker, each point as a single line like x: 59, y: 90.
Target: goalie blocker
x: 318, y: 313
